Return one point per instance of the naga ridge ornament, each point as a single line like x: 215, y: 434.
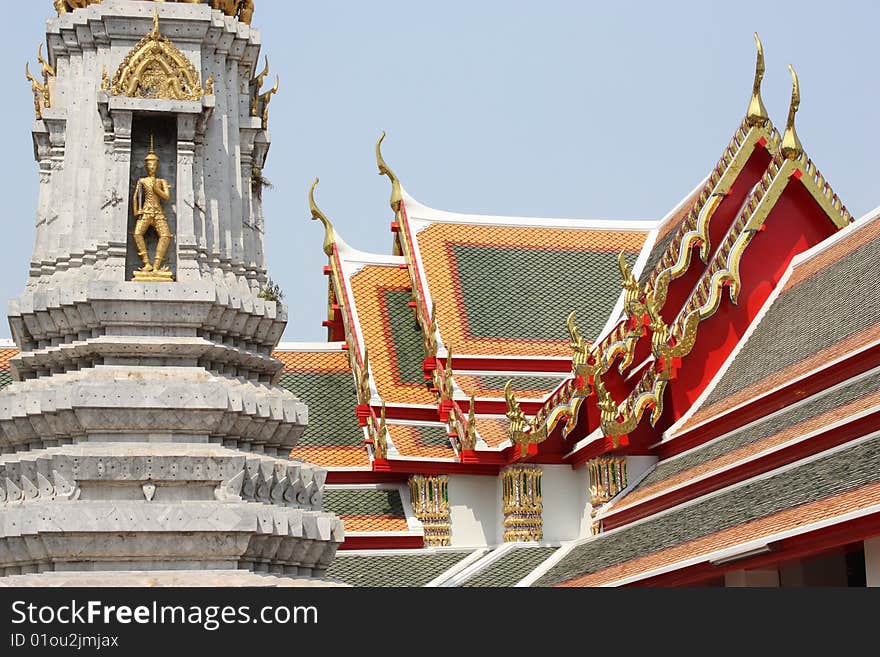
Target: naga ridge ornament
x: 149, y: 194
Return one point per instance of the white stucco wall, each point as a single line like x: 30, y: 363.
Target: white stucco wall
x: 637, y: 467
x: 566, y: 502
x: 475, y: 510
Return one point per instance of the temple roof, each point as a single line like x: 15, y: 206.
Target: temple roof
x: 367, y: 509
x: 794, y: 499
x: 511, y: 568
x: 323, y: 380
x: 809, y: 416
x: 372, y: 569
x: 504, y: 286
x: 829, y: 306
x: 391, y: 333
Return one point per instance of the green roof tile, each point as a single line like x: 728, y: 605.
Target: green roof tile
x: 391, y: 570
x: 657, y: 253
x: 431, y: 436
x: 363, y: 502
x: 813, y: 407
x: 818, y: 313
x: 512, y: 567
x: 527, y: 294
x: 409, y: 345
x: 331, y: 399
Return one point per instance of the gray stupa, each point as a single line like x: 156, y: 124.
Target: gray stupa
x: 144, y: 441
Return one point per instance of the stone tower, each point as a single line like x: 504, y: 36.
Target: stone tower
x: 143, y: 440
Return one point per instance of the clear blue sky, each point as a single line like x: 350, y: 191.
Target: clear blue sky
x: 555, y: 109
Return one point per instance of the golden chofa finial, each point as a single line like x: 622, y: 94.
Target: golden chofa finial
x: 385, y: 170
x: 791, y: 145
x: 757, y: 114
x: 155, y: 31
x: 317, y: 215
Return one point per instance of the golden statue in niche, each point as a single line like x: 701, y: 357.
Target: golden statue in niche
x: 149, y: 194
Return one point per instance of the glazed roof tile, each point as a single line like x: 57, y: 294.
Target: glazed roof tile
x: 823, y: 509
x: 392, y: 334
x: 314, y: 361
x: 5, y: 356
x: 367, y: 510
x: 374, y: 524
x: 392, y: 570
x: 324, y: 382
x: 511, y: 568
x: 830, y: 306
x: 493, y: 431
x: 820, y: 410
x: 524, y: 387
x: 823, y: 488
x: 333, y: 457
x: 363, y: 502
x: 507, y: 290
x: 421, y: 441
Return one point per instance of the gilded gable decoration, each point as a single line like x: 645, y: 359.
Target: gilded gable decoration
x: 156, y: 68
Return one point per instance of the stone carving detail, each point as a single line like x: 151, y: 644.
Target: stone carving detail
x: 16, y: 487
x: 149, y: 489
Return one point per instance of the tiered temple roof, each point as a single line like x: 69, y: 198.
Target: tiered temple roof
x: 739, y: 339
x: 727, y: 355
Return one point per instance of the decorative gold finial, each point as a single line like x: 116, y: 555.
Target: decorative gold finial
x: 363, y: 381
x: 265, y: 98
x: 515, y: 414
x: 791, y: 145
x: 380, y: 445
x: 257, y: 86
x: 577, y: 343
x: 757, y: 114
x: 471, y: 442
x: 39, y: 91
x: 48, y: 70
x: 155, y: 32
x: 448, y: 390
x: 317, y: 215
x: 385, y: 170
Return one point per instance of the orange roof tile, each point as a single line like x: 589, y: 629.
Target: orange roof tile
x: 416, y: 441
x: 492, y: 430
x: 383, y: 523
x: 314, y: 361
x: 437, y: 245
x: 5, y: 356
x: 333, y: 457
x: 369, y: 287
